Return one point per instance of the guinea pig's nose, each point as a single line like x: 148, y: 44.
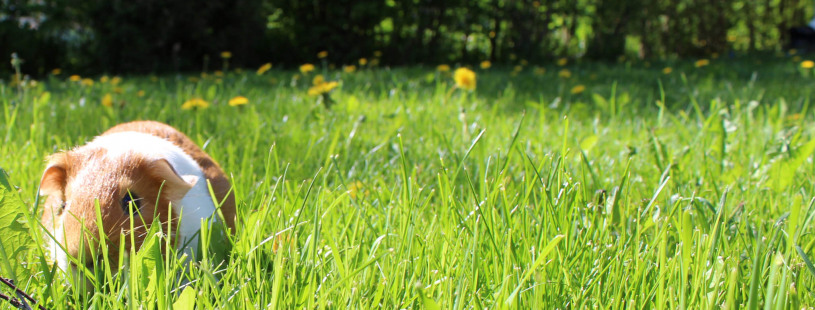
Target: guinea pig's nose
x: 88, y: 261
x: 91, y: 263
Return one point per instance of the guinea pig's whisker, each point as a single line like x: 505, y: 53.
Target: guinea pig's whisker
x: 137, y: 228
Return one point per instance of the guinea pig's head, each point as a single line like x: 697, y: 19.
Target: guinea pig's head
x: 131, y: 191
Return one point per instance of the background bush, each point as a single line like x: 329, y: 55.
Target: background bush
x: 174, y: 35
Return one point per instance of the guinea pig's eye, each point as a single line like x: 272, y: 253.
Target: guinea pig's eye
x: 61, y: 207
x: 131, y: 197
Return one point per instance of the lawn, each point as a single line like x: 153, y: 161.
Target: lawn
x: 622, y: 185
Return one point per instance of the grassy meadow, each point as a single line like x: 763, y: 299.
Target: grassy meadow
x: 656, y: 185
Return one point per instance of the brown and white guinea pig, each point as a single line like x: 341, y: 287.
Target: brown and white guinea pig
x: 150, y: 165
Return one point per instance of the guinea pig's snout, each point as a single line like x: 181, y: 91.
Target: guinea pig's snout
x: 82, y: 243
x: 90, y: 263
x: 93, y: 256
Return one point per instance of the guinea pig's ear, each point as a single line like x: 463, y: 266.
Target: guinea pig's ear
x: 175, y: 185
x: 54, y: 178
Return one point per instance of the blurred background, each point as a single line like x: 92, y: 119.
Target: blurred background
x: 160, y: 36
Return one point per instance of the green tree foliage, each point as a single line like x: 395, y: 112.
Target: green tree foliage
x: 177, y: 35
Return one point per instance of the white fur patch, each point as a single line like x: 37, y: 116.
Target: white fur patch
x: 60, y: 257
x: 197, y: 203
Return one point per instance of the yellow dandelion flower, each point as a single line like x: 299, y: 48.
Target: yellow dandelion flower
x: 517, y: 69
x: 318, y: 79
x: 330, y: 85
x: 793, y: 51
x: 74, y: 78
x: 349, y: 69
x: 701, y: 63
x: 667, y: 70
x: 524, y: 62
x: 540, y: 71
x: 306, y: 68
x: 357, y: 188
x: 443, y: 68
x: 115, y: 80
x: 87, y: 82
x: 219, y: 73
x: 226, y: 54
x: 107, y: 100
x: 56, y: 71
x: 486, y: 64
x: 239, y: 100
x: 140, y: 93
x: 577, y: 89
x: 565, y: 73
x: 118, y: 90
x: 104, y: 79
x: 322, y: 88
x: 465, y: 78
x: 265, y: 67
x: 378, y: 53
x: 194, y: 104
x: 322, y: 54
x: 363, y: 61
x: 807, y: 64
x: 563, y: 61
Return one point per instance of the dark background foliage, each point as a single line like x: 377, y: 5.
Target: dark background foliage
x: 141, y: 36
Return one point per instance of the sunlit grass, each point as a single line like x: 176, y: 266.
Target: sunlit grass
x: 622, y: 185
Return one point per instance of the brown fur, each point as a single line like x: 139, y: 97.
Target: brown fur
x: 66, y: 179
x: 212, y: 171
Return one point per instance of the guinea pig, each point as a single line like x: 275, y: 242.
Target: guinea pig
x: 137, y: 170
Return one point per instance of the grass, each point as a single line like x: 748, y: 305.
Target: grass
x: 692, y: 189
